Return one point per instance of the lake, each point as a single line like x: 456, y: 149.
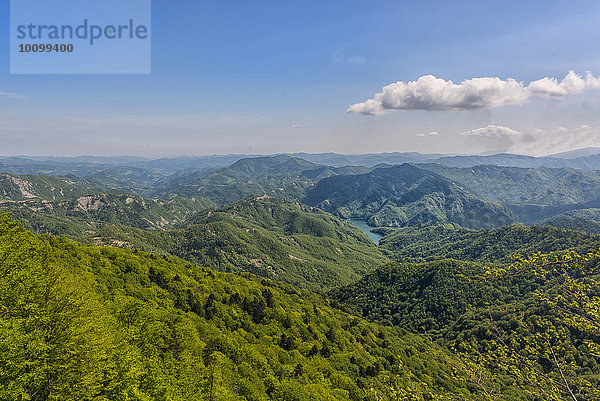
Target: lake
x: 362, y: 224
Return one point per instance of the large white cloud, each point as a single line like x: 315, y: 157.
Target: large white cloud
x: 432, y: 93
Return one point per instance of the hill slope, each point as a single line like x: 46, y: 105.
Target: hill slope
x: 80, y: 215
x: 522, y: 186
x: 428, y: 243
x: 405, y: 195
x: 23, y: 187
x: 522, y: 326
x: 281, y: 176
x: 270, y: 237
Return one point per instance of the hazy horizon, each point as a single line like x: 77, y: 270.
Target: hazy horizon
x: 298, y: 154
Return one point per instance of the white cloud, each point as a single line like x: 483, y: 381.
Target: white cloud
x: 492, y: 131
x: 371, y: 107
x: 2, y: 93
x: 570, y: 84
x: 496, y: 138
x: 297, y: 125
x: 432, y: 133
x: 432, y: 93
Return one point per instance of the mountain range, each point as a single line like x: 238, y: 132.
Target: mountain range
x: 244, y: 278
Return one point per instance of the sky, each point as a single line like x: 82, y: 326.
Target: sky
x: 460, y: 77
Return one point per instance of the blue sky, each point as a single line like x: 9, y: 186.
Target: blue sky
x: 266, y: 77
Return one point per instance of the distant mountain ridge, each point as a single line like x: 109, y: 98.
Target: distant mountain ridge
x: 280, y: 176
x: 573, y: 154
x: 405, y: 195
x: 587, y: 159
x: 518, y: 185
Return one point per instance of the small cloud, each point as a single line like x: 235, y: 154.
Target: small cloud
x: 433, y: 93
x: 2, y: 93
x: 570, y: 84
x: 492, y: 131
x: 371, y: 107
x: 496, y: 138
x: 297, y: 125
x: 432, y: 133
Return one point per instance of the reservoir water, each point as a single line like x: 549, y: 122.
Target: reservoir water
x: 362, y: 224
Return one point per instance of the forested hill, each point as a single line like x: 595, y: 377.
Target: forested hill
x: 525, y: 186
x: 427, y: 297
x: 405, y: 195
x: 428, y: 243
x: 271, y: 237
x: 281, y: 176
x: 536, y: 324
x: 83, y: 323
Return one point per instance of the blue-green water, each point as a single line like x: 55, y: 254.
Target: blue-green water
x: 367, y: 229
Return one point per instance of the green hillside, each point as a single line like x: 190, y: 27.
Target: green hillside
x: 521, y: 186
x: 83, y: 323
x: 280, y: 176
x: 429, y: 243
x: 270, y: 237
x: 276, y: 175
x: 403, y: 196
x: 24, y: 187
x: 78, y: 216
x: 129, y: 179
x: 425, y: 297
x: 524, y: 326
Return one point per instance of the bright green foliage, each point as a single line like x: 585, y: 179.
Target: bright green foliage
x: 554, y: 337
x: 56, y: 338
x: 105, y: 323
x: 273, y: 238
x: 427, y: 243
x: 518, y: 334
